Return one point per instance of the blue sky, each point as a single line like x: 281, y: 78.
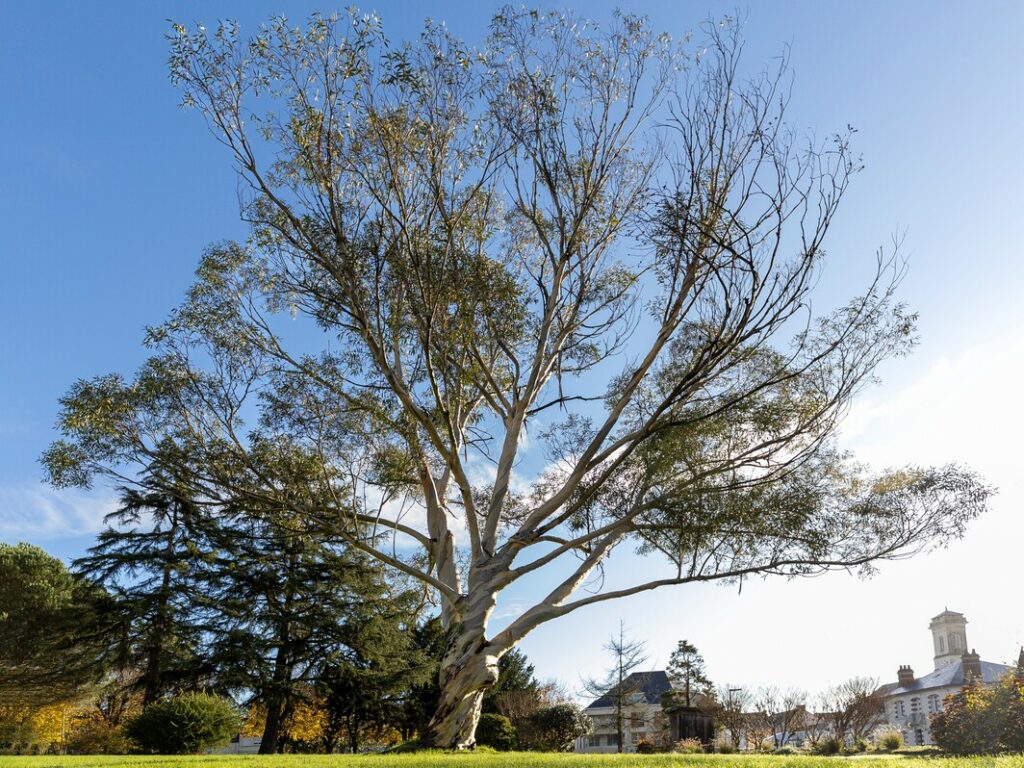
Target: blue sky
x: 108, y: 193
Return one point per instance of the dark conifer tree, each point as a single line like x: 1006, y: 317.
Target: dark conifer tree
x: 515, y: 673
x: 420, y: 701
x: 686, y: 671
x: 289, y: 608
x: 149, y: 560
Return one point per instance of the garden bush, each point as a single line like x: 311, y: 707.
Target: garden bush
x: 644, y: 747
x: 496, y: 731
x: 554, y: 729
x: 688, y: 746
x: 859, y: 744
x: 982, y: 719
x: 185, y: 724
x: 828, y: 746
x: 888, y: 740
x: 93, y: 735
x: 725, y: 748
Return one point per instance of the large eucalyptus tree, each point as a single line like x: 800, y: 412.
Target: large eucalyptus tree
x: 584, y: 234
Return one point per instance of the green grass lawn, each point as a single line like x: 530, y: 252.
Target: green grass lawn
x: 508, y: 760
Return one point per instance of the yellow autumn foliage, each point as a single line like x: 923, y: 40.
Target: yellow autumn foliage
x: 37, y: 728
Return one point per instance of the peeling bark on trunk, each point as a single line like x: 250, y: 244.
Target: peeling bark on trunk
x: 469, y: 668
x: 463, y: 684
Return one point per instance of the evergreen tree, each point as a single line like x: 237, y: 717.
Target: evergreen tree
x: 289, y: 607
x: 149, y: 560
x: 686, y: 671
x: 420, y: 701
x: 515, y: 675
x: 48, y: 647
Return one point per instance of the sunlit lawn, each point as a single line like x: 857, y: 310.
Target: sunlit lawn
x: 507, y: 760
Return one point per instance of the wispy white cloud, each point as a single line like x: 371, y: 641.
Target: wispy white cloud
x: 964, y: 408
x: 36, y: 512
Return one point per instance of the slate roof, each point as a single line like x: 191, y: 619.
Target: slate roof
x: 951, y: 674
x: 650, y: 684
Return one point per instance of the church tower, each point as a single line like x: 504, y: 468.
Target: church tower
x: 949, y: 634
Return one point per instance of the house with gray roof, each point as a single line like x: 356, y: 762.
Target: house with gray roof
x: 911, y: 700
x: 643, y: 717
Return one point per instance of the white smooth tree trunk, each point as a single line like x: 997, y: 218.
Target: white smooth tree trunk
x: 468, y: 669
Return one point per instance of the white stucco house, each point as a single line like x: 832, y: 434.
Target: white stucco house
x: 642, y: 713
x: 911, y: 700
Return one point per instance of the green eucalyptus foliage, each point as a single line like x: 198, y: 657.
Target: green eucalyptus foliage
x: 581, y: 233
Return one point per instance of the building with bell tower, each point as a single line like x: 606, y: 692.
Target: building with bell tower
x: 949, y: 635
x: 911, y: 701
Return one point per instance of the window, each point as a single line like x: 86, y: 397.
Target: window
x: 636, y: 720
x: 915, y: 705
x: 934, y: 705
x: 942, y: 644
x: 595, y: 740
x: 613, y: 739
x: 899, y: 709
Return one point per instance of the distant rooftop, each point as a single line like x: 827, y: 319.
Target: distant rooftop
x: 951, y: 674
x: 651, y: 685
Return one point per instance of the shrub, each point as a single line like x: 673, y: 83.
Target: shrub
x: 784, y: 750
x: 688, y: 746
x: 554, y: 729
x: 888, y: 740
x: 1009, y: 703
x: 644, y: 747
x: 185, y: 724
x: 860, y: 744
x: 93, y: 735
x: 828, y: 746
x: 964, y: 726
x: 982, y: 720
x: 496, y: 731
x: 725, y: 748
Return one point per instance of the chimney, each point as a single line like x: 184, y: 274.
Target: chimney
x: 905, y: 676
x: 972, y: 666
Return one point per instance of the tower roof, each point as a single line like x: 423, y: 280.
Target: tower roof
x: 948, y: 614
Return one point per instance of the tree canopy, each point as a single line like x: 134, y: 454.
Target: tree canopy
x: 591, y: 238
x: 686, y: 672
x: 49, y: 648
